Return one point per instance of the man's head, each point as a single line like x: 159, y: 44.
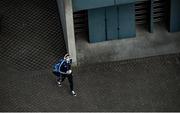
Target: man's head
x: 67, y: 58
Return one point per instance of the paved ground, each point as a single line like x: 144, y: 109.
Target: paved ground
x: 148, y: 84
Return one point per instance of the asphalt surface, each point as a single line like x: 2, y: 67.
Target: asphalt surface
x: 148, y: 84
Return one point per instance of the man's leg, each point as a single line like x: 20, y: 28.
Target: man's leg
x: 58, y: 78
x: 70, y: 78
x: 58, y: 81
x: 62, y: 78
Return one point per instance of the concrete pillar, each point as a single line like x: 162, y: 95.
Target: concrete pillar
x: 66, y: 16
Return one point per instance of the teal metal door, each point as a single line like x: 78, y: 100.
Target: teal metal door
x: 126, y: 21
x: 112, y: 23
x: 96, y: 21
x: 175, y: 16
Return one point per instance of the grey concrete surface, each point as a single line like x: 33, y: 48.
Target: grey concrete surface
x: 149, y: 84
x: 145, y: 44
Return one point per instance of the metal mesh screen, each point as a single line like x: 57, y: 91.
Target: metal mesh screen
x: 80, y: 21
x: 31, y: 36
x: 159, y: 10
x: 141, y: 9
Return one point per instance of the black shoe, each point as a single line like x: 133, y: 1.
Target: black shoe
x: 59, y: 83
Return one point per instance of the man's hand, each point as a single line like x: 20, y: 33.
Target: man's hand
x: 69, y: 72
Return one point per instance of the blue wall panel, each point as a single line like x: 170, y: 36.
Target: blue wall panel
x: 124, y: 1
x: 127, y: 21
x: 112, y: 23
x: 96, y: 21
x: 91, y: 4
x: 175, y: 16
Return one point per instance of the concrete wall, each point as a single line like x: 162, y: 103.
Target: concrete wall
x: 66, y: 16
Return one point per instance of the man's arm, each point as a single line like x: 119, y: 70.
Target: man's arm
x: 61, y: 64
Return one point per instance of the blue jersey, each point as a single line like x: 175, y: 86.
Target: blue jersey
x: 62, y: 66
